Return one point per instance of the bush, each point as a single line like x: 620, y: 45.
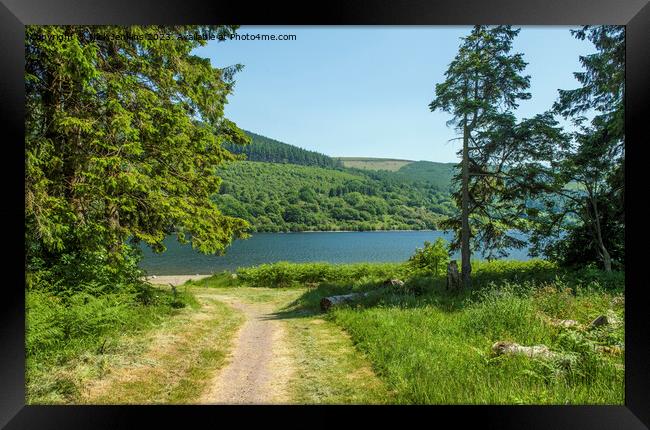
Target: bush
x: 285, y: 274
x: 433, y: 258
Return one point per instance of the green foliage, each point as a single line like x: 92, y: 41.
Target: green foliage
x: 122, y: 138
x: 501, y: 159
x: 433, y: 258
x: 63, y: 328
x: 285, y: 274
x: 593, y: 210
x: 289, y: 197
x: 438, y: 174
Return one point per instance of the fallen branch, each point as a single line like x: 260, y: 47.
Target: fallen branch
x: 564, y: 323
x: 511, y: 348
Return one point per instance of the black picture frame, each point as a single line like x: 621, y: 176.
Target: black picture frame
x: 635, y: 14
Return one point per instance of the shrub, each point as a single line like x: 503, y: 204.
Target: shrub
x: 285, y: 274
x: 433, y: 258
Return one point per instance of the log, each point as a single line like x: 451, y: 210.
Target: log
x: 511, y: 348
x: 328, y: 302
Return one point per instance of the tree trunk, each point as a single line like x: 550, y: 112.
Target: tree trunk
x: 466, y: 268
x: 453, y: 279
x: 604, y: 254
x: 113, y: 217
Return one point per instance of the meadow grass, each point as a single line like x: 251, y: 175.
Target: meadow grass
x: 179, y: 361
x: 415, y: 343
x: 72, y: 339
x: 441, y: 355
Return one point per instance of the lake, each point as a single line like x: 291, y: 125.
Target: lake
x: 332, y: 247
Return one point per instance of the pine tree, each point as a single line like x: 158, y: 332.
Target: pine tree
x: 482, y: 84
x: 589, y: 181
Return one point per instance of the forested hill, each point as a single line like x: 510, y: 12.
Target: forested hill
x: 289, y: 197
x: 281, y: 187
x: 272, y: 151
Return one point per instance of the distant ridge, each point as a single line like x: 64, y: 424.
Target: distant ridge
x: 265, y: 149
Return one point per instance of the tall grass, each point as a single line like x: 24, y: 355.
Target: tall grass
x: 434, y: 346
x: 63, y: 330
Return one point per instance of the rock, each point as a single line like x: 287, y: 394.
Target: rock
x: 394, y: 282
x: 453, y: 278
x: 599, y: 321
x: 152, y: 277
x: 511, y: 348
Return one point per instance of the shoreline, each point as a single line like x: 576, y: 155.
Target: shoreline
x: 342, y: 231
x: 175, y: 280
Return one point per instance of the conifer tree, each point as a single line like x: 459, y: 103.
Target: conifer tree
x: 124, y: 131
x: 483, y: 83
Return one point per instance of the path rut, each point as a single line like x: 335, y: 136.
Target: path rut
x: 260, y: 365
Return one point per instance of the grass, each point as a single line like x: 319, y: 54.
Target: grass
x: 430, y: 346
x: 330, y: 370
x: 285, y: 274
x: 73, y: 338
x: 106, y: 349
x: 431, y: 354
x: 180, y: 360
x: 374, y: 163
x: 411, y: 344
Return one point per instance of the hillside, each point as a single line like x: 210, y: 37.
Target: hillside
x: 290, y: 197
x: 273, y: 151
x: 437, y: 174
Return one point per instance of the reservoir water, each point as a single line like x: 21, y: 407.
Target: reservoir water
x: 332, y: 247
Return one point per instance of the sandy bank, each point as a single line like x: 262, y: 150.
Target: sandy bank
x: 173, y: 279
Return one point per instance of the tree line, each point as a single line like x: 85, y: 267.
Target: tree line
x: 262, y: 148
x: 123, y: 137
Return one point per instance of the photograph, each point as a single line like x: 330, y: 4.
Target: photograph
x: 324, y: 214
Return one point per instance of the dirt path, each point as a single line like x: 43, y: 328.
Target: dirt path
x: 260, y: 365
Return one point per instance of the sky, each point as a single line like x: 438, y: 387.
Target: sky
x: 364, y: 91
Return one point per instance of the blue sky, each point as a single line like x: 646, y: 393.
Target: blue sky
x: 364, y: 91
